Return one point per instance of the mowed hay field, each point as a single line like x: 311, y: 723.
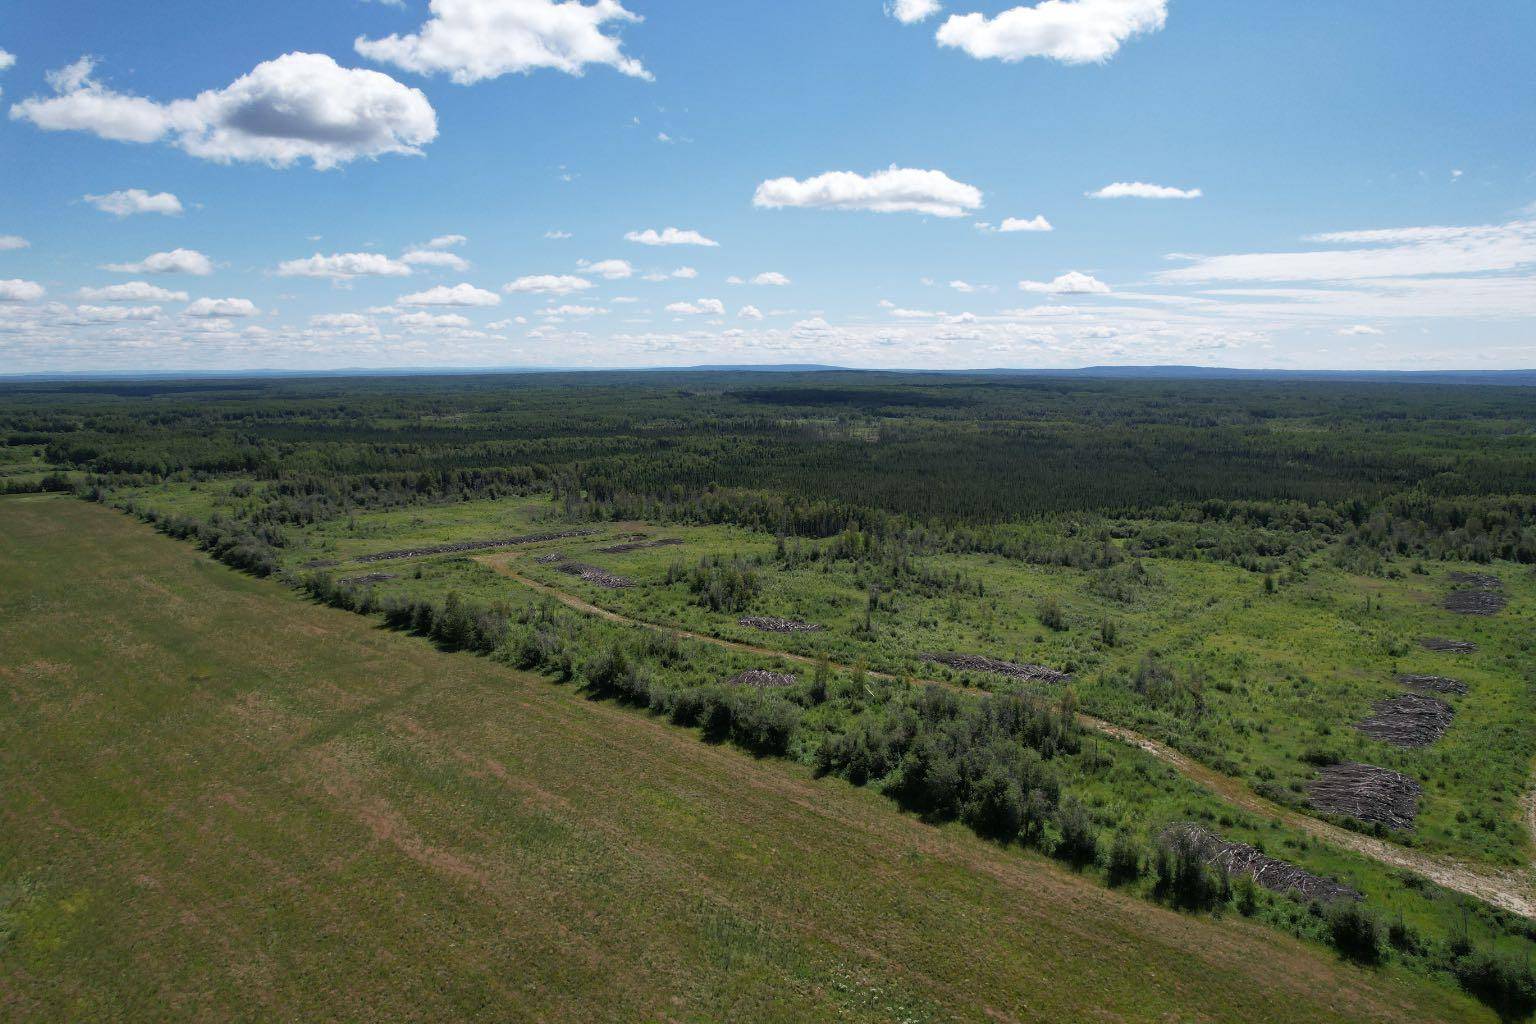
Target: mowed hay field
x: 218, y: 802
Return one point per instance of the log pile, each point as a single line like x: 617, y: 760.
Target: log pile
x: 762, y: 679
x: 639, y: 545
x: 1440, y: 645
x: 1476, y: 594
x: 1408, y: 720
x: 1240, y: 859
x: 1367, y: 793
x: 363, y: 581
x: 769, y: 624
x: 1013, y: 670
x: 1434, y: 684
x: 553, y: 558
x: 472, y: 545
x: 321, y: 563
x: 598, y: 577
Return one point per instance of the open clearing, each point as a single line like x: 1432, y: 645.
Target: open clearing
x: 220, y: 802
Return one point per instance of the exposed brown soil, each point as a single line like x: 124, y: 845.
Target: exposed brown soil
x: 1240, y: 859
x: 1013, y: 670
x: 1408, y: 720
x: 1367, y: 793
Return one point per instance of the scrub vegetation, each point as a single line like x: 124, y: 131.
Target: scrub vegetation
x: 1007, y: 578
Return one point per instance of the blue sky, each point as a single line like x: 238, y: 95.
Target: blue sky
x: 1344, y: 185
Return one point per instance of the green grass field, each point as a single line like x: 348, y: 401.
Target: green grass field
x: 221, y: 802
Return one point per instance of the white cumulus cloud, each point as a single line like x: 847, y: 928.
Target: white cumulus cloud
x: 447, y: 242
x: 344, y: 266
x: 21, y: 291
x: 300, y: 106
x: 1144, y: 190
x: 10, y: 243
x: 474, y: 40
x: 670, y: 236
x: 133, y: 291
x: 610, y: 270
x: 771, y: 277
x: 894, y: 190
x: 548, y: 284
x: 130, y: 201
x: 1013, y: 224
x: 1072, y: 283
x: 458, y: 295
x: 435, y: 258
x: 703, y: 307
x: 221, y: 308
x: 750, y: 313
x: 1070, y: 31
x: 910, y: 12
x: 177, y: 261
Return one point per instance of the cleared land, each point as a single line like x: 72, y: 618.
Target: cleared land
x: 222, y: 803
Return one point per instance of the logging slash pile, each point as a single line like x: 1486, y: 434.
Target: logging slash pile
x: 1239, y: 859
x: 1442, y: 646
x: 598, y: 577
x: 1434, y: 684
x: 769, y: 624
x: 639, y: 545
x: 1476, y: 594
x: 1408, y: 720
x: 1367, y: 793
x: 554, y: 558
x: 762, y: 679
x: 363, y: 581
x: 1013, y: 670
x: 471, y: 545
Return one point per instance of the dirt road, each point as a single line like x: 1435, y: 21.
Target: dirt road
x: 1509, y: 890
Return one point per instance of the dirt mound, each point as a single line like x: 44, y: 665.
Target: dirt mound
x: 1367, y: 793
x: 1434, y: 684
x: 1443, y: 646
x: 1013, y: 670
x: 763, y: 679
x: 769, y: 624
x: 472, y: 545
x: 1408, y: 720
x: 639, y: 545
x: 1239, y: 859
x: 592, y: 574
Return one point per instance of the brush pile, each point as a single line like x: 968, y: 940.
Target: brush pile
x: 762, y: 679
x: 553, y: 558
x: 471, y: 545
x: 1476, y: 594
x: 1367, y: 793
x: 1408, y: 720
x: 1239, y: 859
x: 639, y: 545
x: 1013, y: 670
x: 598, y: 577
x: 363, y: 581
x: 769, y: 624
x: 1442, y: 646
x: 1434, y: 684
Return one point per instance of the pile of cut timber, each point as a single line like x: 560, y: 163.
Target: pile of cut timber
x: 599, y: 577
x: 762, y: 679
x: 472, y: 545
x: 1443, y: 646
x: 1434, y: 684
x: 1367, y: 793
x: 1408, y: 720
x: 1013, y: 670
x: 769, y: 624
x: 1239, y: 859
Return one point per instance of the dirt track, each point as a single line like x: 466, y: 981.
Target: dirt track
x: 1509, y: 890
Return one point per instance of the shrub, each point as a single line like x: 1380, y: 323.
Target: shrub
x: 1355, y: 931
x: 1125, y: 864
